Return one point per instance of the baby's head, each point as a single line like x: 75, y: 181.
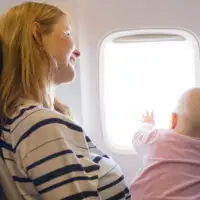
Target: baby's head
x: 186, y: 118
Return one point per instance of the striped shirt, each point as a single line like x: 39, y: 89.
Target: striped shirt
x: 50, y: 157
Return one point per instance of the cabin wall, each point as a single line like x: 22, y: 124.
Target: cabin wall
x: 100, y: 18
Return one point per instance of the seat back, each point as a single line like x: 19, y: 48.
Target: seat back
x: 9, y: 189
x: 2, y: 194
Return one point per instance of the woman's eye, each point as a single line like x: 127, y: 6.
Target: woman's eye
x: 68, y: 33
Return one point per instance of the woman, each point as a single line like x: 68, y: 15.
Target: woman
x: 47, y: 154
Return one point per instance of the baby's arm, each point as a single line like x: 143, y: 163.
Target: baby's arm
x: 146, y: 134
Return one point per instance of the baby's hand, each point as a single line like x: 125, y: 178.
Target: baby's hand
x: 148, y: 117
x: 62, y: 108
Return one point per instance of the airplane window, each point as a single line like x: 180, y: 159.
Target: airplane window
x: 138, y: 74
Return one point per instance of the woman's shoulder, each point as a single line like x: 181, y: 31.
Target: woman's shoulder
x: 29, y: 115
x: 41, y: 125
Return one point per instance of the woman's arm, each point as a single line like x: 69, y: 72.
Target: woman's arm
x: 54, y: 156
x: 111, y: 184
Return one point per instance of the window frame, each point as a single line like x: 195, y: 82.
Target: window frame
x: 110, y: 37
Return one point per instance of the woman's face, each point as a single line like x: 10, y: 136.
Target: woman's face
x: 60, y: 46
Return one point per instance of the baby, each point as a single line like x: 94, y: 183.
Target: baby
x: 171, y: 167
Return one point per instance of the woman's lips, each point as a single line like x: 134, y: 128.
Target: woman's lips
x: 77, y: 53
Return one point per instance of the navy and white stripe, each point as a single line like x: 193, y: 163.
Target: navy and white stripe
x: 50, y: 157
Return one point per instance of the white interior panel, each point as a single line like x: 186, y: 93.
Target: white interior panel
x: 101, y: 18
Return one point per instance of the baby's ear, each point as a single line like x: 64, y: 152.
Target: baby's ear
x: 174, y: 118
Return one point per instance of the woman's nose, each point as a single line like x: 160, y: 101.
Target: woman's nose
x: 77, y: 53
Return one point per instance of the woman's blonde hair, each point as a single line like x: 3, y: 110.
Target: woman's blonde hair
x: 27, y: 69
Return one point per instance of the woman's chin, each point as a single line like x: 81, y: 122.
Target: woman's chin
x: 66, y: 75
x: 71, y: 79
x: 71, y: 74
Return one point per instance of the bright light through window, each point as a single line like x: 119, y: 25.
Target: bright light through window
x: 143, y: 76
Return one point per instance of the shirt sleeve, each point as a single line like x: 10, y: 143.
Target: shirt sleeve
x: 111, y: 184
x: 145, y: 135
x: 51, y: 158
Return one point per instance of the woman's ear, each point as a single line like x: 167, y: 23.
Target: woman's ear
x: 174, y: 118
x: 36, y: 33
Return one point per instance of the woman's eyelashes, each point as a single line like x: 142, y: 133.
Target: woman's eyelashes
x: 67, y: 33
